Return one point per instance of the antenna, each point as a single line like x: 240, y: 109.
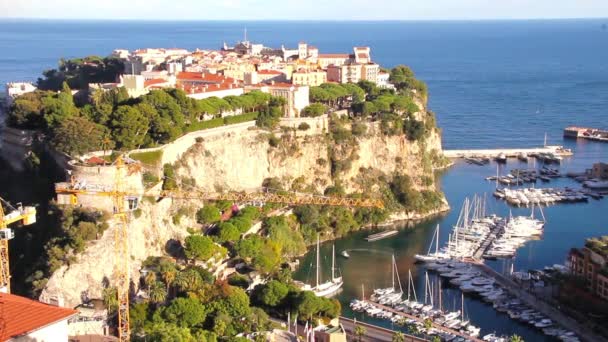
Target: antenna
x: 245, y: 34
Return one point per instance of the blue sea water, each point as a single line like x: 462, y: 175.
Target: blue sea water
x: 492, y: 84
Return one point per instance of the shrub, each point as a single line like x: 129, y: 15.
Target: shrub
x: 273, y: 140
x: 359, y: 129
x: 303, y: 126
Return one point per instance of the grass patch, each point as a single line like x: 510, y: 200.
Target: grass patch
x: 152, y: 158
x: 218, y: 122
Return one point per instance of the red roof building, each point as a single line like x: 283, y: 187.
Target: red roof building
x: 32, y: 320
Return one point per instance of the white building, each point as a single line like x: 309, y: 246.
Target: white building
x: 15, y: 89
x: 26, y: 320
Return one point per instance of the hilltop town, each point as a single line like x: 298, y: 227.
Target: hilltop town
x: 233, y: 71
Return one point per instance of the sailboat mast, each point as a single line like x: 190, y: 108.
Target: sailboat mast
x: 318, y: 257
x: 426, y: 287
x: 333, y: 262
x: 393, y: 271
x: 409, y: 281
x: 462, y: 305
x: 398, y: 278
x: 437, y: 240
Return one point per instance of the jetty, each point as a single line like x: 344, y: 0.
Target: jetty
x: 508, y: 152
x: 594, y: 134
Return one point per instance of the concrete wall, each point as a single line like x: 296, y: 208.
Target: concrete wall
x: 318, y: 125
x: 56, y: 332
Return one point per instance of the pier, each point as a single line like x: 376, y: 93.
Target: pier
x: 508, y: 152
x: 594, y: 134
x: 545, y: 308
x: 418, y: 319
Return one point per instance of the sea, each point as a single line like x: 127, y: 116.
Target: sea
x: 492, y: 84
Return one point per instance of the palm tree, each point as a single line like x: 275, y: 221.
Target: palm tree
x: 436, y: 339
x: 398, y: 337
x: 516, y: 338
x: 157, y: 293
x: 149, y: 279
x: 360, y: 331
x: 413, y: 329
x: 168, y: 276
x: 110, y: 298
x: 428, y: 324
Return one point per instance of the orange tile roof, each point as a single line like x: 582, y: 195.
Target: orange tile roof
x: 333, y: 55
x: 203, y: 77
x: 22, y: 315
x: 269, y: 72
x: 154, y: 81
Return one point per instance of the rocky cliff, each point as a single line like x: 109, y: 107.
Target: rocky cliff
x: 304, y: 160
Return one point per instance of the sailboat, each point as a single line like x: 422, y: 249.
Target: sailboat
x: 393, y: 294
x: 332, y: 286
x: 435, y: 255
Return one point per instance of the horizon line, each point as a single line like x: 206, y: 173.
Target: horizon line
x: 304, y: 20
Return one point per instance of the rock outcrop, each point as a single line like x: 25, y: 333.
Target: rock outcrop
x: 308, y: 160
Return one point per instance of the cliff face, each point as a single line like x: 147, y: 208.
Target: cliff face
x: 306, y: 160
x: 243, y: 161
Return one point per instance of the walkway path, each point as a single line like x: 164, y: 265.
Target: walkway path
x: 509, y: 152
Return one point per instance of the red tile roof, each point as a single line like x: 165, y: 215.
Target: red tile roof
x: 22, y: 315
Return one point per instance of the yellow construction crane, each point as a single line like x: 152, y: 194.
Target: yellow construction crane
x: 25, y: 215
x: 122, y: 206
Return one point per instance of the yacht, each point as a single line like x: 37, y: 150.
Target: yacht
x: 328, y: 288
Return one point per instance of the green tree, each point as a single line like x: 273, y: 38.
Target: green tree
x: 208, y: 214
x: 398, y: 337
x: 26, y: 111
x: 157, y: 292
x: 185, y: 312
x: 138, y: 314
x: 188, y: 280
x: 76, y: 136
x: 110, y: 298
x: 314, y: 110
x: 428, y: 324
x: 515, y: 338
x: 199, y: 247
x: 360, y: 332
x: 58, y: 107
x: 228, y: 232
x: 249, y: 247
x: 273, y: 293
x: 129, y: 127
x: 167, y: 332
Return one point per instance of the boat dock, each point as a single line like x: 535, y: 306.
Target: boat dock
x: 508, y: 152
x: 435, y: 325
x: 545, y: 308
x: 586, y: 133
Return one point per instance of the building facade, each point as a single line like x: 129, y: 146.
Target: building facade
x: 592, y: 265
x: 309, y: 78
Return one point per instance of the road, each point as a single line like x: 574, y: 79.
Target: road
x: 372, y: 332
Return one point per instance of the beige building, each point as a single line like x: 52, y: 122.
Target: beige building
x: 309, y: 78
x: 326, y: 59
x: 296, y: 96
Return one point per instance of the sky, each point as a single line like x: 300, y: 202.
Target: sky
x: 304, y: 9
